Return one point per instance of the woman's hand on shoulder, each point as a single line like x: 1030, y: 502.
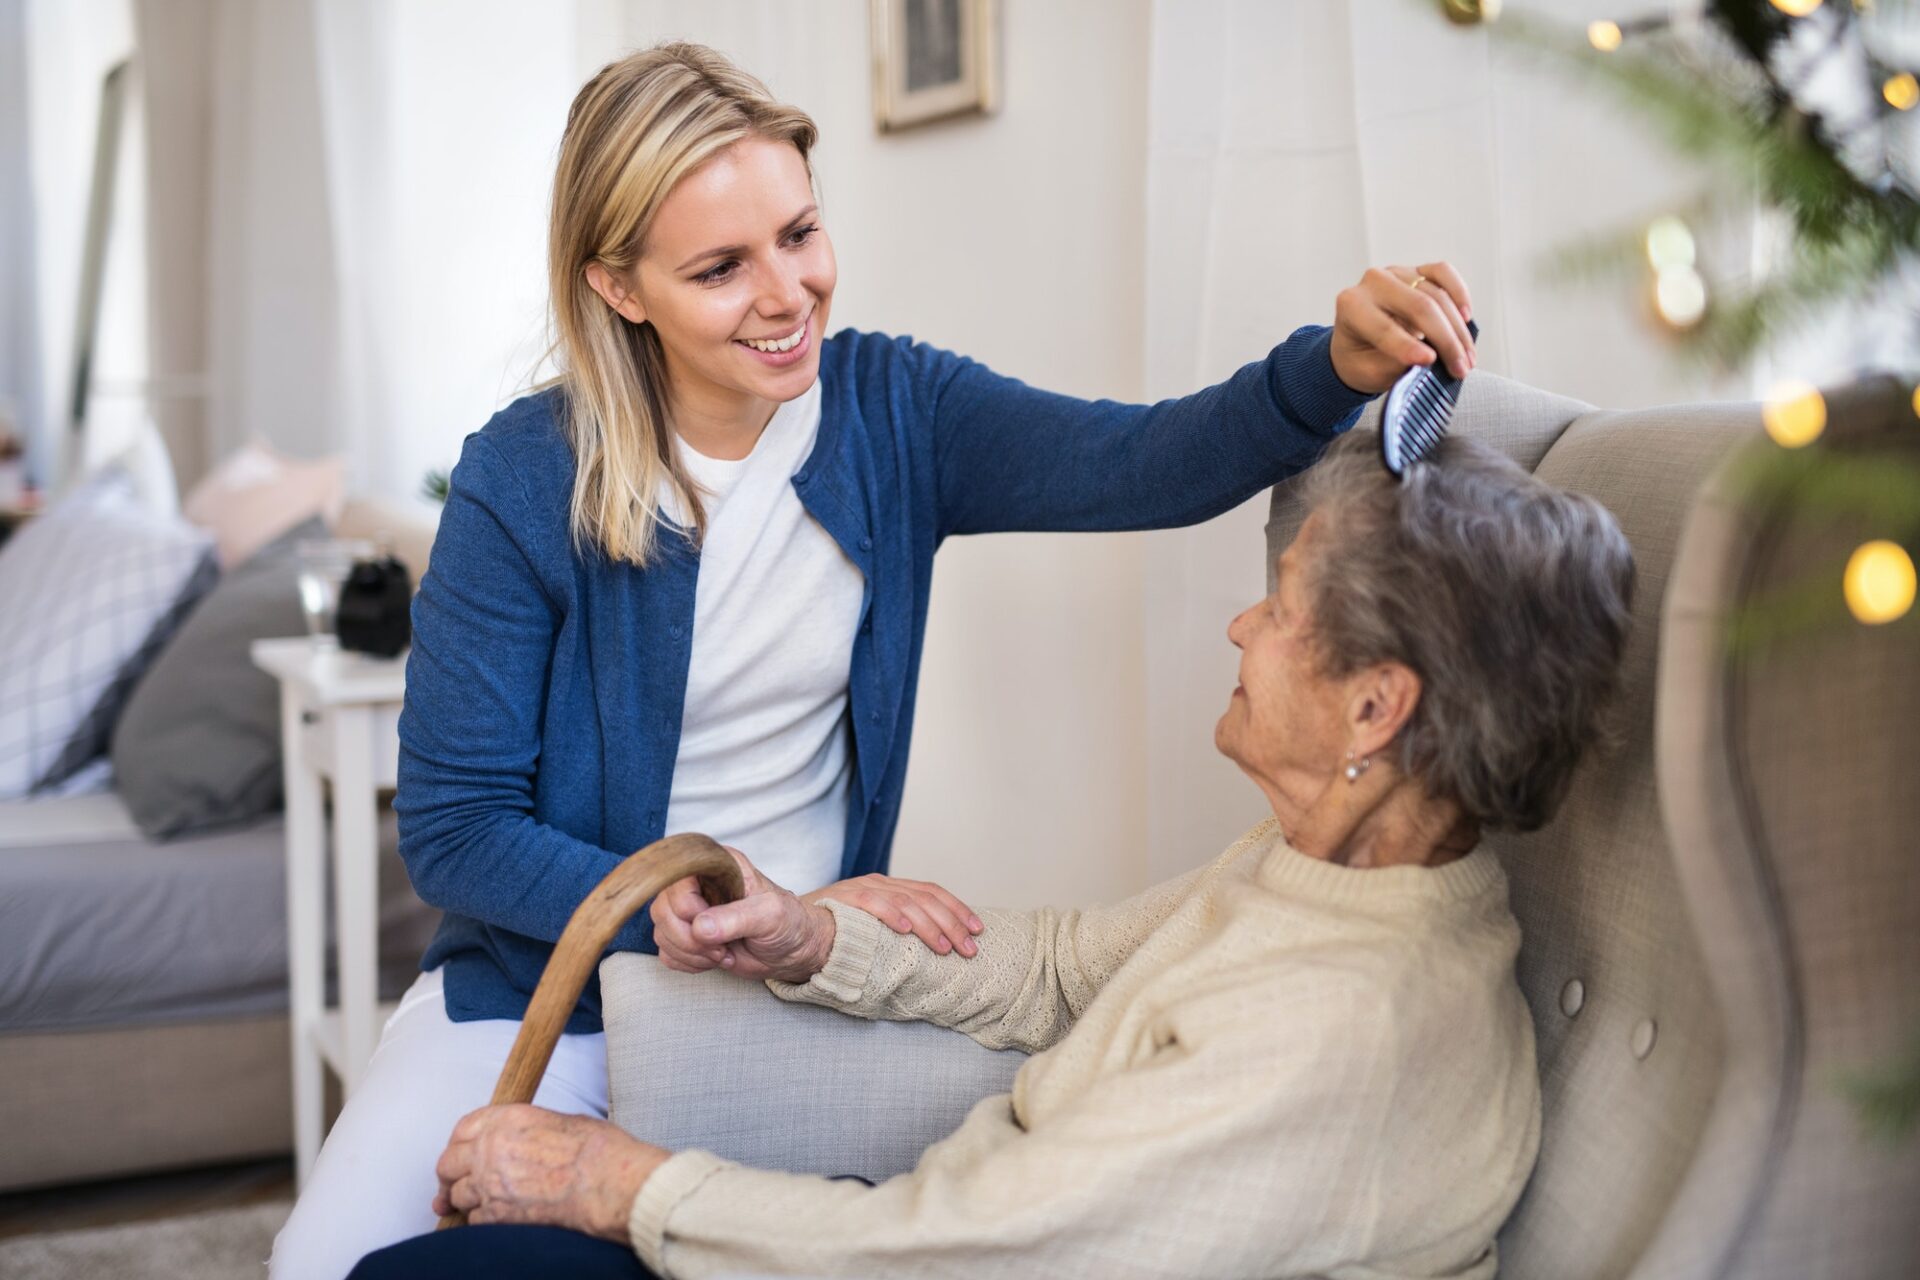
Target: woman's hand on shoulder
x: 1384, y: 325
x: 925, y: 910
x: 768, y: 933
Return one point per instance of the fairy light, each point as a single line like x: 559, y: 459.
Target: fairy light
x: 1796, y: 8
x: 1901, y: 91
x: 1680, y: 296
x: 1795, y: 414
x: 1669, y: 243
x: 1604, y: 36
x: 1879, y: 582
x: 1916, y: 402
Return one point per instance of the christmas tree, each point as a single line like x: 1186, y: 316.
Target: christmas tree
x: 1800, y: 111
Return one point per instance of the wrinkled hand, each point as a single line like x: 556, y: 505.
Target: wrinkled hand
x: 767, y: 933
x: 1379, y: 325
x: 923, y: 909
x: 526, y: 1164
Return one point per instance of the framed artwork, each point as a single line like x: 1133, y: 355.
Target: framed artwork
x: 933, y: 59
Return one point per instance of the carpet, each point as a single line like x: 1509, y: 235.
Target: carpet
x: 222, y: 1244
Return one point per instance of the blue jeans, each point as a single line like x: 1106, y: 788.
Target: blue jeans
x: 502, y: 1253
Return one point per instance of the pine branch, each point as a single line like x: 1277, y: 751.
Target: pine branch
x: 1887, y: 1097
x: 1849, y: 237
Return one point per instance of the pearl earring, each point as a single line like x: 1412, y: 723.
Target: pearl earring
x: 1356, y: 767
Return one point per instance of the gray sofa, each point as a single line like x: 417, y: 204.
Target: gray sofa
x: 143, y: 984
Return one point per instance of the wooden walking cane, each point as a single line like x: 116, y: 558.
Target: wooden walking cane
x: 626, y: 889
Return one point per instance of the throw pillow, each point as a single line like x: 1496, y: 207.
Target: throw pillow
x: 712, y: 1062
x: 93, y: 588
x: 255, y: 495
x: 198, y: 746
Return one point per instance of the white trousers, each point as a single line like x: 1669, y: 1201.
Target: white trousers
x: 373, y: 1183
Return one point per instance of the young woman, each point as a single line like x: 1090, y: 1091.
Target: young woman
x: 684, y: 586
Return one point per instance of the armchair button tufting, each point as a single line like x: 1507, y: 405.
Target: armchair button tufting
x: 1572, y: 997
x: 1643, y: 1037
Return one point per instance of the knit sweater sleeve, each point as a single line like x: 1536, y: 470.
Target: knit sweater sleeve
x: 1225, y: 1147
x: 1035, y: 972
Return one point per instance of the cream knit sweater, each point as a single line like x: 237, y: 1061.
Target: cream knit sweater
x: 1273, y: 1066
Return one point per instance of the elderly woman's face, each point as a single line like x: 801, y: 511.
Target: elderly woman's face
x: 1284, y: 723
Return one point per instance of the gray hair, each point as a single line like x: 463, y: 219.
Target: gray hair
x: 1509, y: 598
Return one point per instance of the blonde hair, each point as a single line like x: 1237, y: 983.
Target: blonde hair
x: 634, y: 131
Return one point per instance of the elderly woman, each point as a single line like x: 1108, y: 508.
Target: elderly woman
x: 1306, y: 1058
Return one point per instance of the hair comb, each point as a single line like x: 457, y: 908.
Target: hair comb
x: 1414, y: 419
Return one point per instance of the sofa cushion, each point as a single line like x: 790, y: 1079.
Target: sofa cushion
x: 256, y: 494
x: 198, y: 746
x: 709, y: 1062
x: 92, y: 590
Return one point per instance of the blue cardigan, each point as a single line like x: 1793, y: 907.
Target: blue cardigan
x: 545, y: 687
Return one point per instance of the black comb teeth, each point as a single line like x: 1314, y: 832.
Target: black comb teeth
x: 1413, y: 421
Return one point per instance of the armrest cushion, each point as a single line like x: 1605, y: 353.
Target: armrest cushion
x: 711, y: 1062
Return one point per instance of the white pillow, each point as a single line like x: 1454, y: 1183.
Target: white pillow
x: 255, y: 495
x: 92, y: 589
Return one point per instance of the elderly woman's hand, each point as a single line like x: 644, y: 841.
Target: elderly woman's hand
x: 771, y: 933
x: 526, y: 1164
x: 767, y: 933
x: 1379, y: 324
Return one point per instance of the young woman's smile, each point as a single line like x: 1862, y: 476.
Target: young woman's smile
x: 785, y: 349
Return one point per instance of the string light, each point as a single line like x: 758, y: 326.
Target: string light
x: 1901, y: 91
x: 1916, y: 402
x: 1604, y: 36
x: 1796, y: 8
x: 1680, y: 296
x: 1879, y: 582
x: 1669, y: 243
x: 1795, y: 414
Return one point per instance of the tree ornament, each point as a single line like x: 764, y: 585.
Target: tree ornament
x: 1468, y: 13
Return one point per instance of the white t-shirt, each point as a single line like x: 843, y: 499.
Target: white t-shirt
x: 765, y: 743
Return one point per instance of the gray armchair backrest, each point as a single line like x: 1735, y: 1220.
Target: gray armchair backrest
x: 1788, y: 778
x: 1630, y: 1041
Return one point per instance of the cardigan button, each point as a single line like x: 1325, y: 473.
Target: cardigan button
x: 674, y: 631
x: 874, y: 716
x: 1643, y: 1037
x: 800, y: 477
x: 1572, y: 997
x: 866, y: 544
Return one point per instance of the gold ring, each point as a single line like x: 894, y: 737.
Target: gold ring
x: 1417, y: 281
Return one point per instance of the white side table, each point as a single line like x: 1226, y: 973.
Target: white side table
x: 339, y: 722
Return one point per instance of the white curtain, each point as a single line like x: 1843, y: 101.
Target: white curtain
x: 371, y: 186
x: 1293, y: 144
x: 20, y: 367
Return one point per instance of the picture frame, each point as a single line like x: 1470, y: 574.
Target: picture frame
x: 934, y: 60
